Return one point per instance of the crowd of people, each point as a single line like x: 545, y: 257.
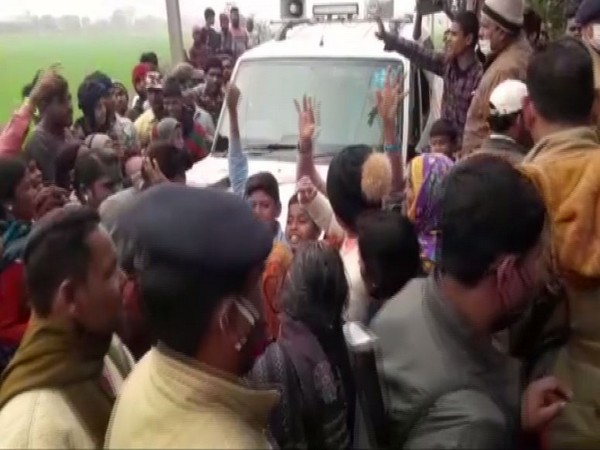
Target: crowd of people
x: 233, y: 39
x: 139, y: 312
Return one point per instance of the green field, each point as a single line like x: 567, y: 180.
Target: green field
x: 79, y: 54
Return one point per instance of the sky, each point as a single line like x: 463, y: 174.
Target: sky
x: 96, y: 9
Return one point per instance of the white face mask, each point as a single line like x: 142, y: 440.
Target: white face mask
x: 485, y: 46
x: 595, y: 41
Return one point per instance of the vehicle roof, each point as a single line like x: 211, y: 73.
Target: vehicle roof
x: 340, y: 40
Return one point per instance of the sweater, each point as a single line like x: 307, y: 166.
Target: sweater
x: 45, y: 417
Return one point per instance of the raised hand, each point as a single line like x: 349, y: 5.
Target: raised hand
x: 389, y: 98
x: 233, y: 96
x: 307, y: 123
x: 380, y: 33
x: 306, y: 191
x: 50, y: 198
x: 152, y: 173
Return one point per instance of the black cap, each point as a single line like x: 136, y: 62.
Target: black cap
x: 588, y: 12
x: 198, y: 228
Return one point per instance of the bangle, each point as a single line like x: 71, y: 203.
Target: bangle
x: 391, y: 148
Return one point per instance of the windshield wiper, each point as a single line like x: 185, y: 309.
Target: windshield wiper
x: 270, y: 147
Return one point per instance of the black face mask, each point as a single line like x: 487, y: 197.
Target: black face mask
x: 510, y: 318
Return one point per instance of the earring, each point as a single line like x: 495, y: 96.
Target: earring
x: 240, y: 344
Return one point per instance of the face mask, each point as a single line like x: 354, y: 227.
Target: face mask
x: 256, y: 343
x: 595, y: 42
x: 485, y: 46
x: 137, y: 180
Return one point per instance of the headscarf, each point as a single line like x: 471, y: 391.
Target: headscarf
x: 165, y: 129
x: 139, y: 73
x: 90, y: 93
x: 425, y: 175
x: 119, y: 85
x: 98, y: 141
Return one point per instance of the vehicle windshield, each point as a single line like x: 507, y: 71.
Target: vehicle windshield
x: 345, y: 95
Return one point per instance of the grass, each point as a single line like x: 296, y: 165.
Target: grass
x: 21, y: 55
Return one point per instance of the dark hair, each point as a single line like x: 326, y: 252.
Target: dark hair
x: 560, y: 81
x: 172, y: 87
x: 149, y: 58
x: 213, y: 63
x: 502, y: 123
x: 263, y: 181
x: 443, y: 127
x: 469, y: 25
x: 90, y: 166
x: 171, y: 161
x: 571, y: 9
x: 64, y: 164
x: 12, y: 171
x: 56, y: 250
x: 183, y: 324
x: 390, y: 251
x: 316, y: 290
x: 344, y: 184
x: 89, y: 94
x: 59, y: 90
x: 102, y: 78
x: 532, y: 22
x: 118, y: 86
x: 476, y: 231
x: 315, y: 294
x: 234, y: 9
x: 208, y: 13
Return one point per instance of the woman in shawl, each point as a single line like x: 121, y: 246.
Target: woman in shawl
x: 169, y: 130
x: 121, y: 98
x: 423, y: 194
x: 91, y: 97
x: 17, y: 208
x: 309, y: 360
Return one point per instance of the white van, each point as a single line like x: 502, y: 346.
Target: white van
x: 341, y: 65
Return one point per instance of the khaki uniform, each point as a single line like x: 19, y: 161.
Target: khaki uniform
x: 564, y: 167
x: 509, y: 64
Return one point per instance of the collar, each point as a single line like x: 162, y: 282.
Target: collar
x: 195, y: 385
x: 520, y: 42
x: 456, y: 325
x: 577, y: 138
x: 502, y: 137
x: 474, y: 63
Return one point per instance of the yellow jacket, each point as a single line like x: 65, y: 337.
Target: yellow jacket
x: 169, y: 402
x: 566, y: 169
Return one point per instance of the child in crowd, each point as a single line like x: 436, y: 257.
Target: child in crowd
x: 300, y: 228
x: 443, y: 138
x: 262, y: 192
